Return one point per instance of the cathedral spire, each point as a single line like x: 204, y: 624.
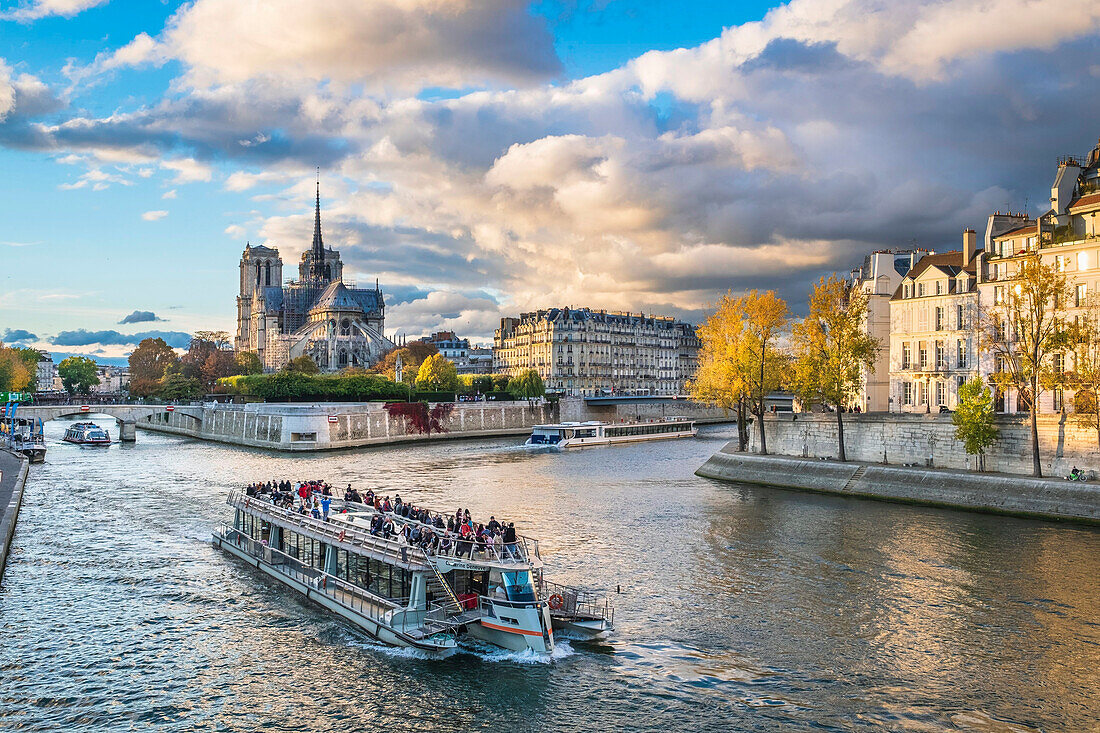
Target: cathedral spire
x: 318, y: 245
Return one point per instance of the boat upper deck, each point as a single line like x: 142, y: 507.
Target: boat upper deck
x: 597, y: 424
x: 349, y: 527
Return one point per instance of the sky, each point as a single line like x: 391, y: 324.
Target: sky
x: 481, y: 158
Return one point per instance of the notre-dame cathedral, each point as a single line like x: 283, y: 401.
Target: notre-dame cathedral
x: 317, y: 315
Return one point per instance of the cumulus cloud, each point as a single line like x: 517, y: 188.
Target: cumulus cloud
x: 44, y: 8
x: 81, y: 337
x: 140, y: 317
x: 16, y: 335
x: 188, y: 170
x: 169, y: 194
x: 154, y: 215
x: 383, y: 43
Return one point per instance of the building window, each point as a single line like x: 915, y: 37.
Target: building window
x: 920, y: 290
x: 1059, y: 398
x: 941, y: 393
x: 941, y: 356
x: 1082, y: 260
x: 924, y: 393
x: 906, y: 355
x: 939, y: 287
x: 907, y: 393
x: 958, y: 317
x: 907, y: 292
x: 1059, y: 364
x: 1080, y: 295
x: 939, y: 317
x: 922, y: 355
x: 960, y: 354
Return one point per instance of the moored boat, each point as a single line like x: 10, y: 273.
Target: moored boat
x: 24, y: 435
x: 426, y: 595
x: 87, y: 433
x: 572, y: 434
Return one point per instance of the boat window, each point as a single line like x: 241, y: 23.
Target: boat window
x: 518, y: 586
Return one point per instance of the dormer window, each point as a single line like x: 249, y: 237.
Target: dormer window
x: 920, y: 290
x: 907, y: 293
x: 939, y: 287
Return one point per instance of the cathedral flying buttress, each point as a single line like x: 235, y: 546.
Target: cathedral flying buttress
x: 319, y: 315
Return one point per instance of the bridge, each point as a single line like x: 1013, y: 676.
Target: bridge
x: 126, y: 415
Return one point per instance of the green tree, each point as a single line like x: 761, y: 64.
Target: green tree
x: 14, y: 374
x: 1022, y: 332
x: 302, y: 365
x: 78, y: 374
x: 176, y: 385
x: 249, y: 363
x: 973, y: 419
x: 527, y: 385
x: 437, y: 374
x: 831, y: 349
x: 148, y: 362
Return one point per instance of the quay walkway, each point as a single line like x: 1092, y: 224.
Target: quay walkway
x: 13, y: 475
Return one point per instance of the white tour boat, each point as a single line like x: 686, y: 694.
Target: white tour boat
x: 404, y: 595
x: 571, y: 434
x: 87, y: 433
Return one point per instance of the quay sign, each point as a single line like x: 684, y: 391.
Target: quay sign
x: 169, y: 408
x: 85, y: 408
x: 333, y: 418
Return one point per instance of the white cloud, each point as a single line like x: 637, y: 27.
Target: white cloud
x: 235, y: 231
x: 44, y: 8
x: 385, y: 43
x: 169, y: 194
x: 7, y: 91
x: 188, y: 170
x: 154, y: 215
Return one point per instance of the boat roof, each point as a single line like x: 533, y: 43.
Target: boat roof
x: 597, y: 423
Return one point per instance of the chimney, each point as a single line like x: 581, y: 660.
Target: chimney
x: 970, y: 245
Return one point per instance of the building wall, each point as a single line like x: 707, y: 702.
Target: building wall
x: 912, y: 439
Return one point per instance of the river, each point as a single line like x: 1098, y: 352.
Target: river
x: 740, y: 608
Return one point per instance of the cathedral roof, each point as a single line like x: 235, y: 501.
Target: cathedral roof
x: 336, y: 297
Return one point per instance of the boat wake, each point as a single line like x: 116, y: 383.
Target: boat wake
x: 489, y: 653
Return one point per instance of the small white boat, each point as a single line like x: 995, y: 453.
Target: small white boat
x: 87, y: 433
x: 572, y: 434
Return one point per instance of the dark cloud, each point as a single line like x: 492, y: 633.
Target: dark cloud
x: 141, y: 317
x: 399, y: 294
x: 788, y: 54
x: 81, y: 337
x: 13, y: 335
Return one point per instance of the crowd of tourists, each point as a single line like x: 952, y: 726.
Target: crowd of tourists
x: 401, y: 521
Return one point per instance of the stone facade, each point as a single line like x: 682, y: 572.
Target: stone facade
x: 578, y: 351
x: 914, y: 439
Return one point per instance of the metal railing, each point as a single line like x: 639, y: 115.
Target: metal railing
x: 577, y: 604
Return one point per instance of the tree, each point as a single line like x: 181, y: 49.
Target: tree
x: 1022, y: 331
x: 176, y: 385
x: 249, y: 363
x: 148, y: 363
x: 78, y: 374
x: 1084, y: 379
x: 208, y: 357
x: 719, y: 380
x: 437, y: 374
x: 760, y: 359
x: 302, y: 365
x: 526, y: 385
x: 412, y: 356
x: 14, y: 375
x: 831, y: 349
x: 973, y: 419
x: 482, y: 383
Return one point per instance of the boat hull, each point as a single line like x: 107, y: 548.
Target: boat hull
x: 371, y: 626
x: 86, y: 442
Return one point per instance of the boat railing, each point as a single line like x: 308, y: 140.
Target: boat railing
x: 389, y: 550
x: 524, y: 549
x: 576, y: 603
x: 346, y: 594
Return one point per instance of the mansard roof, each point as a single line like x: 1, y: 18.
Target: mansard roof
x: 947, y: 263
x: 1089, y: 201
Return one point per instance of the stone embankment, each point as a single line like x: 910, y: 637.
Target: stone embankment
x: 13, y: 476
x: 986, y: 492
x: 327, y: 426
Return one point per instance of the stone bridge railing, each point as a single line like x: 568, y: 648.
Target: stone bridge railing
x: 126, y: 415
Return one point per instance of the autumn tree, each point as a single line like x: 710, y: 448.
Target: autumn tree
x: 1084, y: 378
x: 302, y: 365
x: 527, y: 385
x: 973, y: 419
x: 78, y: 374
x: 148, y: 363
x: 412, y: 356
x: 209, y: 357
x: 762, y: 362
x: 1022, y: 330
x: 719, y: 379
x: 832, y: 348
x: 14, y: 374
x: 437, y: 374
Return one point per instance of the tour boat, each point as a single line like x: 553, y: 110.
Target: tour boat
x: 24, y: 435
x: 403, y: 595
x: 87, y: 433
x: 571, y: 434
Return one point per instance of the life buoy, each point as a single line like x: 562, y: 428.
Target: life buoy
x: 556, y: 602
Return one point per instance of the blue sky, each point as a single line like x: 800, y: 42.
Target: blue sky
x: 502, y: 156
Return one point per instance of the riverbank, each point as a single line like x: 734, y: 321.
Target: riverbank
x: 984, y: 492
x: 13, y: 477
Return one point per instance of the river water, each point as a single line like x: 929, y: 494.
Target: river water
x: 740, y: 608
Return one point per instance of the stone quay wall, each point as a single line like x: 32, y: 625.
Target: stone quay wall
x: 986, y: 492
x: 13, y: 477
x: 907, y: 439
x: 326, y: 426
